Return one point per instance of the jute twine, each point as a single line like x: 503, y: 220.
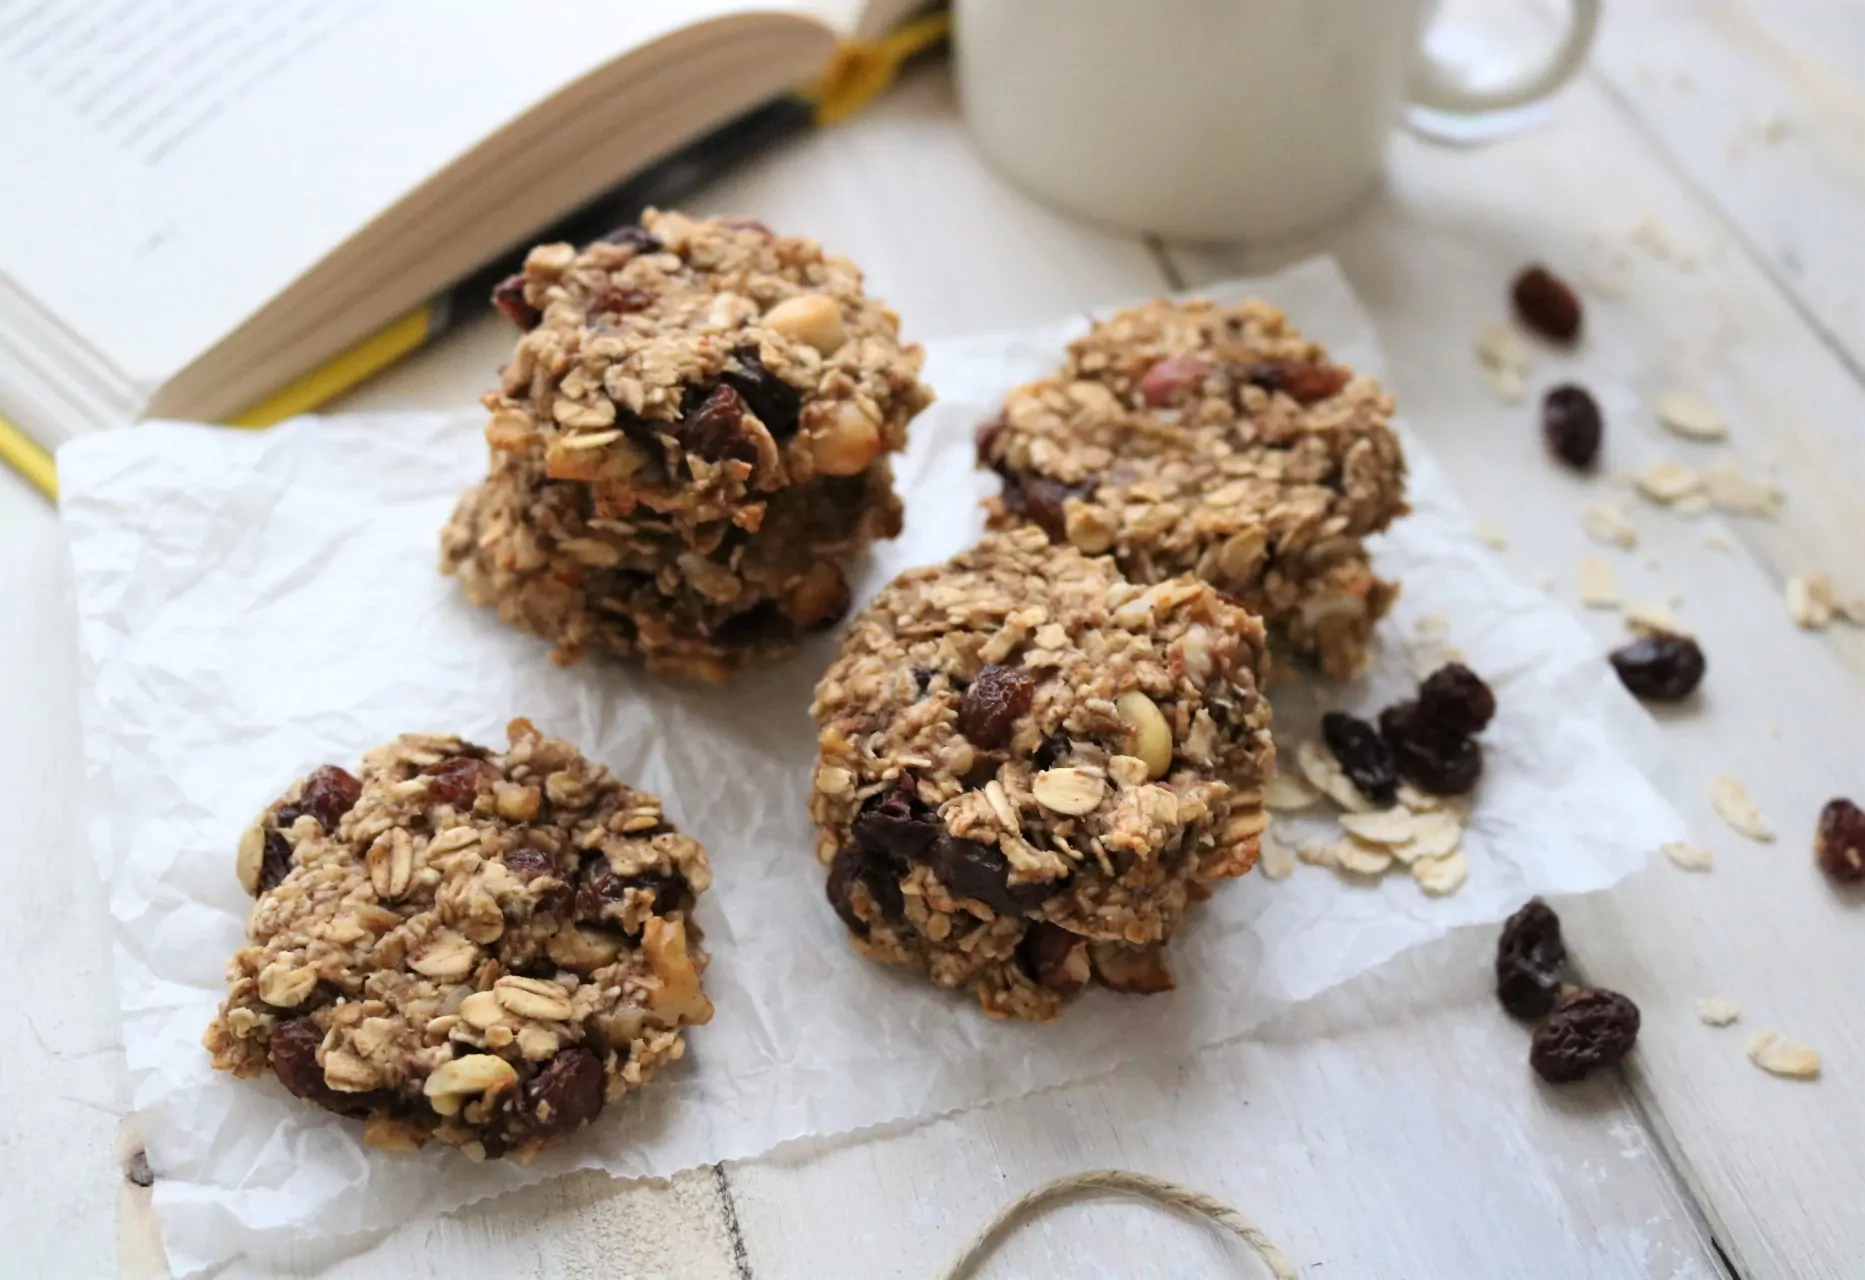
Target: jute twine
x: 1169, y: 1194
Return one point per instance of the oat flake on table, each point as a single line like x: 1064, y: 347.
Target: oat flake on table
x: 1779, y: 1056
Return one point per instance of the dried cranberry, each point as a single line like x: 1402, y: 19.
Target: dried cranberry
x: 638, y: 238
x: 1363, y: 755
x: 620, y: 301
x: 989, y: 710
x: 1660, y: 666
x: 1546, y: 304
x: 775, y: 401
x: 1456, y: 700
x: 528, y: 864
x: 508, y: 295
x: 1054, y: 958
x: 713, y: 427
x: 458, y: 780
x: 1531, y: 960
x: 1305, y: 381
x: 1042, y: 501
x: 565, y: 1095
x: 293, y: 1050
x: 328, y: 794
x: 1168, y: 378
x: 275, y: 862
x: 1839, y: 841
x: 972, y: 870
x: 1571, y: 424
x: 1588, y: 1029
x: 1427, y: 756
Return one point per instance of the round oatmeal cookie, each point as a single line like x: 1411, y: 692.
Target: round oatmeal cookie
x: 1030, y: 765
x: 1216, y: 440
x: 692, y: 366
x: 481, y: 948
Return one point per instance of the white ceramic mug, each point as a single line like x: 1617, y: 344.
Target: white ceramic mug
x: 1213, y: 119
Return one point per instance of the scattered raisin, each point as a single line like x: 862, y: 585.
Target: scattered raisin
x: 1571, y: 424
x: 293, y: 1048
x: 1660, y: 666
x: 1054, y: 957
x: 1530, y: 960
x: 1363, y: 755
x: 1304, y: 381
x: 620, y: 301
x: 565, y: 1095
x: 458, y: 780
x: 1455, y: 699
x: 713, y: 426
x: 1589, y: 1028
x: 329, y: 793
x: 508, y: 295
x: 1043, y: 501
x: 1546, y: 304
x: 275, y: 863
x: 775, y: 401
x: 972, y: 870
x: 528, y: 864
x: 1839, y: 841
x: 991, y: 706
x: 636, y: 237
x: 1162, y: 384
x: 1442, y: 763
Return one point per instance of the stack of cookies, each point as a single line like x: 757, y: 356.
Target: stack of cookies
x: 689, y: 444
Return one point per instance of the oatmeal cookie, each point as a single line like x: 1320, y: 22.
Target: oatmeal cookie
x: 1030, y: 765
x: 705, y: 410
x: 482, y: 948
x: 1197, y: 438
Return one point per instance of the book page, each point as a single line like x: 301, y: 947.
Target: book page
x: 182, y: 161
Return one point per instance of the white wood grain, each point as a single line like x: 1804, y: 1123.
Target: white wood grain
x: 1782, y: 709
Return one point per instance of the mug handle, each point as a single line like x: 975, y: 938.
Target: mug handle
x: 1439, y: 85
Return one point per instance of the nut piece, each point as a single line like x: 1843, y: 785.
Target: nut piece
x: 1070, y: 791
x: 452, y: 1083
x: 447, y: 955
x: 1777, y: 1055
x: 679, y: 997
x: 286, y: 986
x: 810, y: 318
x: 1135, y: 970
x: 1151, y: 737
x: 251, y: 858
x: 533, y: 998
x: 847, y: 443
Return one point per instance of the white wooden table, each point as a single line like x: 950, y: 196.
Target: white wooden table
x: 1390, y: 1128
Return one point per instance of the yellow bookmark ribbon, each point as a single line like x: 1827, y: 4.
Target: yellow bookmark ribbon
x: 861, y: 70
x: 21, y: 452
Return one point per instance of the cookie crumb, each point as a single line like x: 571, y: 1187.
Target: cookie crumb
x: 1716, y: 1013
x: 1598, y: 583
x: 1779, y: 1056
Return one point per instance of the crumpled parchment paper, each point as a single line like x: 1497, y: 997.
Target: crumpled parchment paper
x: 254, y: 604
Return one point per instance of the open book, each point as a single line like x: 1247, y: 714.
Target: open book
x: 204, y: 202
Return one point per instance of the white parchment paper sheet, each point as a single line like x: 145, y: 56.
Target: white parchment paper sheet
x: 254, y: 604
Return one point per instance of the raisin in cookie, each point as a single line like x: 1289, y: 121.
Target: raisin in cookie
x: 1197, y: 438
x: 482, y: 948
x: 700, y: 414
x: 1030, y: 765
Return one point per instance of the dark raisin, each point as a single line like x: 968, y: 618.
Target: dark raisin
x: 1660, y: 666
x: 1304, y: 381
x: 853, y: 865
x: 1054, y: 958
x: 987, y: 437
x: 329, y: 793
x: 1170, y: 377
x: 601, y: 894
x: 1839, y: 841
x: 565, y: 1095
x: 1052, y: 750
x: 458, y: 780
x: 775, y: 401
x: 1363, y: 755
x: 275, y: 863
x: 293, y: 1050
x: 922, y: 679
x: 1546, y: 305
x: 1041, y: 501
x: 1531, y: 960
x: 897, y: 827
x: 990, y: 708
x: 1588, y: 1029
x: 972, y: 870
x: 1442, y: 763
x: 638, y: 238
x: 1571, y: 425
x: 713, y: 427
x: 508, y: 295
x: 1456, y: 700
x: 528, y: 864
x: 620, y: 301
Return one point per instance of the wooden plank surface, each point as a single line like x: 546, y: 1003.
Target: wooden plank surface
x: 1783, y: 709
